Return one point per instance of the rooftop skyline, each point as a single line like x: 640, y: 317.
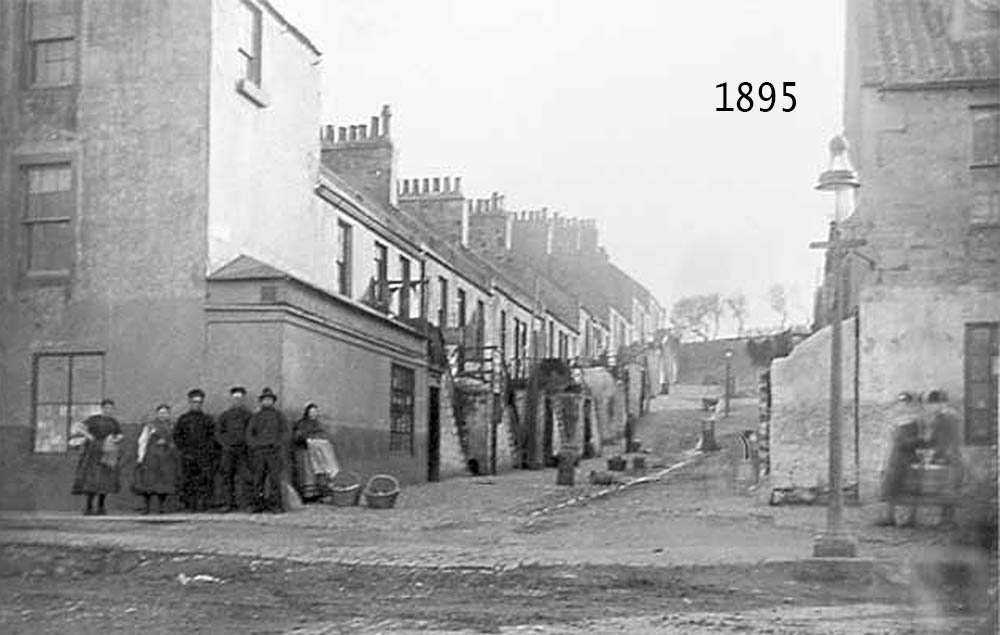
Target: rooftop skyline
x: 611, y: 116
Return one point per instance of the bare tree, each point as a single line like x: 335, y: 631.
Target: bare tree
x: 690, y: 317
x: 779, y: 302
x: 714, y: 306
x: 697, y: 316
x: 737, y: 305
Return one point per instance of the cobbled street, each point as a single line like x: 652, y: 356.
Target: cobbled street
x: 679, y: 549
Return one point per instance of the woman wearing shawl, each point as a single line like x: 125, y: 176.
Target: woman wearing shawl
x: 156, y: 463
x: 313, y: 456
x: 99, y: 437
x: 905, y: 442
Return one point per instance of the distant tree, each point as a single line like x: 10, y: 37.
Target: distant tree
x: 779, y: 302
x: 697, y: 316
x: 737, y: 305
x: 714, y: 306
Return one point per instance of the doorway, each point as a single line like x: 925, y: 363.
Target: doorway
x: 434, y: 434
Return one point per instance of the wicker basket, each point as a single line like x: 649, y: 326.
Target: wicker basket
x: 381, y: 491
x: 345, y: 489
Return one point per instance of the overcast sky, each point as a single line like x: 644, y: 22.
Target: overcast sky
x: 607, y: 111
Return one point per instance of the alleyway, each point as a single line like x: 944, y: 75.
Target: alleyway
x: 618, y: 552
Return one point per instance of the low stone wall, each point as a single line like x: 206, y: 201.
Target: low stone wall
x: 800, y: 414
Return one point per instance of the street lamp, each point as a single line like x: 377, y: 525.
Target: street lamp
x: 842, y: 180
x: 729, y: 381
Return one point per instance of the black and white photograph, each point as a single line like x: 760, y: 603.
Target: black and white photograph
x: 455, y: 317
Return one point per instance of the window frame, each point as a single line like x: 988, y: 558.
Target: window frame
x: 442, y: 302
x: 21, y: 176
x: 345, y: 255
x: 462, y: 304
x: 69, y: 404
x: 405, y: 271
x: 993, y: 336
x: 381, y: 273
x: 402, y: 401
x: 30, y: 50
x: 252, y: 70
x: 984, y: 166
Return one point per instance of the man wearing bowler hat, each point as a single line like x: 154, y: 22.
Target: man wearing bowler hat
x: 231, y: 435
x: 194, y: 436
x: 267, y: 440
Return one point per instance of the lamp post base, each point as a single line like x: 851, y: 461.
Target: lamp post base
x: 835, y: 545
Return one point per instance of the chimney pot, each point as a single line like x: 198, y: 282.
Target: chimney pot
x: 437, y: 184
x: 447, y: 184
x: 458, y: 184
x: 362, y: 131
x: 427, y: 186
x: 374, y: 128
x: 386, y: 115
x: 343, y: 133
x: 406, y: 186
x: 354, y: 133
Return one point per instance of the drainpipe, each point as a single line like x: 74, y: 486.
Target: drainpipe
x: 857, y: 403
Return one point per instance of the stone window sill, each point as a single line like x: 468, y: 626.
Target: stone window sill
x: 253, y: 92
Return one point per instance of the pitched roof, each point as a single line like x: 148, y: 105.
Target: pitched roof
x: 246, y: 268
x: 912, y: 47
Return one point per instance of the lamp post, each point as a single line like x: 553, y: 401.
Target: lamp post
x: 729, y: 380
x: 842, y: 180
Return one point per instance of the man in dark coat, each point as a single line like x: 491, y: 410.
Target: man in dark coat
x: 194, y: 436
x: 268, y: 436
x: 230, y: 433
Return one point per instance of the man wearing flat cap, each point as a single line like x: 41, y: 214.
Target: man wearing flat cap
x: 194, y: 436
x: 268, y: 436
x: 231, y: 435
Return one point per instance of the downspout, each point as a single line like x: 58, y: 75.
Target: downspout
x: 857, y: 403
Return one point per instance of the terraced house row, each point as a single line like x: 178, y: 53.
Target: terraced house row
x: 176, y: 214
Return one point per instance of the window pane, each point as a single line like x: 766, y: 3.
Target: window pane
x: 88, y: 379
x: 50, y: 428
x: 54, y: 62
x: 51, y: 19
x: 986, y: 136
x: 50, y: 246
x: 985, y: 208
x: 43, y: 179
x: 53, y: 379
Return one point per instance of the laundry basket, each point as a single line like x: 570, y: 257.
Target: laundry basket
x: 381, y: 491
x: 345, y: 489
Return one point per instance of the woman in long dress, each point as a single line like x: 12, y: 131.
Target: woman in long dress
x: 156, y: 468
x: 96, y: 476
x: 313, y: 455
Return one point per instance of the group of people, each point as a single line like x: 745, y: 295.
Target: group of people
x: 249, y: 453
x: 930, y: 428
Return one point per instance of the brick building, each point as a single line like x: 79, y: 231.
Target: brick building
x: 922, y: 114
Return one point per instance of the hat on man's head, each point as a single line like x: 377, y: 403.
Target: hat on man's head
x: 908, y: 397
x: 107, y: 401
x: 196, y: 392
x: 267, y: 393
x: 237, y: 389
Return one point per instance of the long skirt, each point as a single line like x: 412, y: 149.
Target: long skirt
x: 315, y: 464
x: 92, y: 475
x: 158, y: 473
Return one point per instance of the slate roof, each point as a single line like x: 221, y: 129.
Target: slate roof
x: 912, y: 47
x: 246, y: 268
